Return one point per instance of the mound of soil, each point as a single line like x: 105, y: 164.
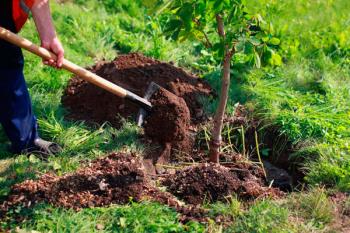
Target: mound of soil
x: 172, y: 116
x: 133, y: 72
x: 114, y: 179
x: 212, y: 182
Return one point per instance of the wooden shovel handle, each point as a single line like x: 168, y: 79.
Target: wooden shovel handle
x: 67, y: 65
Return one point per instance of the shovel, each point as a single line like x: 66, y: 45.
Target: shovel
x: 85, y: 74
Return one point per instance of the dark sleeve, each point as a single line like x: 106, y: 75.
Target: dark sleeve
x: 10, y: 55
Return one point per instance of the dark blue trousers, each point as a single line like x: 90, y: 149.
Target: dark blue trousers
x: 16, y: 114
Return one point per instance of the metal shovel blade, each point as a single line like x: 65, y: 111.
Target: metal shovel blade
x: 151, y: 89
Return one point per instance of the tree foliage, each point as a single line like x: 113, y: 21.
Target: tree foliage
x: 248, y: 35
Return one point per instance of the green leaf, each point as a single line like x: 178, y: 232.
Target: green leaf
x: 254, y: 41
x: 56, y: 166
x: 218, y: 49
x: 265, y: 152
x: 274, y: 41
x: 218, y: 5
x: 186, y: 15
x: 265, y: 39
x: 122, y: 222
x: 4, y: 191
x: 240, y: 58
x: 248, y: 48
x: 257, y: 60
x: 200, y: 8
x: 240, y: 46
x: 275, y: 59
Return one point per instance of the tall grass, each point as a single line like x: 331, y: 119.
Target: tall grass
x: 307, y: 97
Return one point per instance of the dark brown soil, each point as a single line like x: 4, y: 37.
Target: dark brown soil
x: 168, y: 124
x: 212, y: 182
x: 283, y: 172
x: 134, y: 72
x: 169, y: 119
x: 174, y: 113
x: 114, y: 179
x: 119, y: 178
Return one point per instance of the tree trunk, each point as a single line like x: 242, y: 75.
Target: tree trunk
x: 220, y: 112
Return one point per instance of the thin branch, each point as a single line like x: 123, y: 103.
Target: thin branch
x: 233, y: 49
x: 220, y: 22
x: 209, y: 44
x: 207, y: 39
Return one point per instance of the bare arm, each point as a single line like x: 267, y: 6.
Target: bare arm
x: 43, y: 21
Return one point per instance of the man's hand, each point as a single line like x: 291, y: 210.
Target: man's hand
x: 43, y: 21
x: 55, y: 47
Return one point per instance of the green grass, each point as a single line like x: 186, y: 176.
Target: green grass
x: 306, y: 98
x: 143, y: 217
x: 265, y: 216
x: 313, y: 207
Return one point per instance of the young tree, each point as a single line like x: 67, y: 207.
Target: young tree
x: 227, y: 31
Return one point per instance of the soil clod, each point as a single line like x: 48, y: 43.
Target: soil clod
x: 168, y: 124
x: 169, y: 118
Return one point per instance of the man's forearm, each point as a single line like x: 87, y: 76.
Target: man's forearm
x: 43, y: 21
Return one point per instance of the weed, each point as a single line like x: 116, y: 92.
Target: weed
x: 231, y: 208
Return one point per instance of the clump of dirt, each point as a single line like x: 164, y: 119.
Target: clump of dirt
x: 133, y: 72
x: 169, y: 118
x: 168, y: 124
x: 212, y: 182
